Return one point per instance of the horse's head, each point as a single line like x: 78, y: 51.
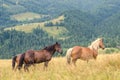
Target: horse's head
x: 58, y: 47
x: 95, y: 45
x: 101, y: 44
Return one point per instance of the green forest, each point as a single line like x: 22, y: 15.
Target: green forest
x: 84, y: 21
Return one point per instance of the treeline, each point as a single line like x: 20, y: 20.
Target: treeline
x: 14, y: 42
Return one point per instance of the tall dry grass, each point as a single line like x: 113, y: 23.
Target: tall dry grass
x: 106, y: 67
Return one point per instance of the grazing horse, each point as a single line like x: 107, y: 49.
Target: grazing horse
x: 39, y: 56
x: 15, y: 60
x: 84, y: 53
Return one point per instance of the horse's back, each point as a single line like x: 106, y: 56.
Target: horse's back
x: 29, y: 53
x: 82, y: 52
x: 81, y: 49
x: 86, y: 53
x: 76, y: 49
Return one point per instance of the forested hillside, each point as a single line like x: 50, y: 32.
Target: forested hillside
x: 83, y: 28
x: 15, y: 42
x: 82, y: 21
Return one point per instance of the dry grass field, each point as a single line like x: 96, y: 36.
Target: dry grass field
x: 106, y: 67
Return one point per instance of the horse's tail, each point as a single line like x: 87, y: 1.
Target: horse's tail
x: 13, y: 62
x: 68, y: 55
x: 21, y: 61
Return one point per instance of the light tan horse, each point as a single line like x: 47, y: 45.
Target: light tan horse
x: 84, y: 53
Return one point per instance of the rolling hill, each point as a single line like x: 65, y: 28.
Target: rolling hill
x: 100, y: 9
x: 54, y: 31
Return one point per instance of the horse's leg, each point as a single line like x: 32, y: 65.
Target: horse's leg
x: 74, y: 61
x: 87, y: 61
x: 26, y: 67
x: 16, y: 67
x: 32, y: 63
x: 33, y: 66
x: 46, y: 65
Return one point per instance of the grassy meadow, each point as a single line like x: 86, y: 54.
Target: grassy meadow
x: 29, y: 27
x: 52, y: 31
x: 106, y: 67
x: 26, y: 16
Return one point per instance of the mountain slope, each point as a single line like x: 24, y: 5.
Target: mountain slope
x: 82, y: 21
x: 82, y: 28
x: 101, y: 9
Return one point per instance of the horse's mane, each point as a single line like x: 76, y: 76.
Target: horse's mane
x: 49, y: 48
x: 95, y: 44
x: 96, y: 41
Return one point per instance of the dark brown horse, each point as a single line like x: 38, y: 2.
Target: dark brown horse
x: 84, y: 53
x: 15, y: 60
x: 39, y: 56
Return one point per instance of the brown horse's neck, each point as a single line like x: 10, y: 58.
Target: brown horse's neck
x: 50, y: 49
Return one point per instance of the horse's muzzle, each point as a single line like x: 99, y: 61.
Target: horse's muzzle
x: 60, y: 51
x: 103, y: 48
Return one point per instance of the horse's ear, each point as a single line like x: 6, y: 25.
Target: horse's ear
x: 101, y: 38
x: 45, y: 48
x: 56, y: 42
